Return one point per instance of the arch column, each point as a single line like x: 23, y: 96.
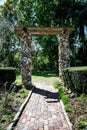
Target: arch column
x: 25, y: 58
x: 25, y: 39
x: 63, y: 49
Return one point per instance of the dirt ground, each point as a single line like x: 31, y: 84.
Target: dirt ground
x: 9, y: 108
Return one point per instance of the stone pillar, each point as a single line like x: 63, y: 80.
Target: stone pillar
x: 63, y: 49
x: 25, y: 58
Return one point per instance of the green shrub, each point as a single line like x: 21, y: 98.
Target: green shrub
x: 7, y: 75
x: 82, y: 124
x: 75, y: 78
x: 62, y: 94
x: 65, y: 99
x: 68, y: 107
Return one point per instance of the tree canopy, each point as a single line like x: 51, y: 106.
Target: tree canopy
x: 51, y: 13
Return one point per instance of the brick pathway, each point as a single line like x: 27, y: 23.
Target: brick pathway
x: 43, y: 111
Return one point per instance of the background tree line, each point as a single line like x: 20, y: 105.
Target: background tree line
x: 43, y: 13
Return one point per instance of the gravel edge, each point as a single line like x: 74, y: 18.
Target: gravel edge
x: 17, y: 116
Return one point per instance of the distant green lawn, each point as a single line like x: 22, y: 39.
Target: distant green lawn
x: 43, y: 77
x: 18, y: 79
x: 45, y: 74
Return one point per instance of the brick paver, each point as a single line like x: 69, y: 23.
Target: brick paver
x: 43, y: 111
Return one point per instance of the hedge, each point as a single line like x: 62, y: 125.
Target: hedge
x: 7, y: 75
x: 75, y: 78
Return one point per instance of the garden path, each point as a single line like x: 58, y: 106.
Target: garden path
x: 43, y: 111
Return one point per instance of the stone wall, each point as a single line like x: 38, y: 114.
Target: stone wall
x: 25, y: 58
x: 63, y: 49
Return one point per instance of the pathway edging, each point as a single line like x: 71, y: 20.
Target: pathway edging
x: 63, y: 108
x: 65, y: 114
x: 17, y: 116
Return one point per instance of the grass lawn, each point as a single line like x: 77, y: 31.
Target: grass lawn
x: 45, y: 77
x: 18, y: 79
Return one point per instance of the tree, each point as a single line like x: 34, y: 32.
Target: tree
x: 40, y: 13
x: 8, y: 39
x: 50, y: 51
x: 59, y: 13
x: 74, y: 13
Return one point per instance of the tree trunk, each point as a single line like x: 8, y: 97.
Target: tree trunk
x: 82, y: 36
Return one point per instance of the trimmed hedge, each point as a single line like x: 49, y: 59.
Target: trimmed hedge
x: 7, y: 74
x: 75, y: 78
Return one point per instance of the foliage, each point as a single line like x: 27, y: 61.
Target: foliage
x: 62, y: 94
x: 9, y: 55
x: 24, y: 94
x: 49, y: 53
x: 8, y: 75
x: 9, y: 41
x: 75, y: 78
x: 39, y: 13
x: 73, y: 13
x: 57, y: 13
x: 14, y: 101
x: 79, y: 114
x: 82, y: 124
x: 75, y: 107
x: 45, y: 74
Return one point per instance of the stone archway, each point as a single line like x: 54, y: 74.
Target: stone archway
x: 25, y: 40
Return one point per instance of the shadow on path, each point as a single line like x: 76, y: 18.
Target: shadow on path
x: 49, y: 96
